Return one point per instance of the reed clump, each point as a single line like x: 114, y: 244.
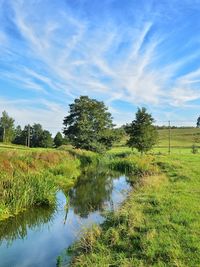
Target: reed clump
x: 134, y: 165
x: 32, y: 178
x: 86, y: 157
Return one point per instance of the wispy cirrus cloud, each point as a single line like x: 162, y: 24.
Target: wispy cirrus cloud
x: 60, y: 53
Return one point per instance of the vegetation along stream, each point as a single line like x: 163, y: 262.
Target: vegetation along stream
x: 37, y: 236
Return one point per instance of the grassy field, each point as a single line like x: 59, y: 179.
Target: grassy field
x: 180, y: 139
x: 32, y: 176
x: 158, y: 225
x: 181, y: 142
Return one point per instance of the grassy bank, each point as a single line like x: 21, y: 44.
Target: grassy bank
x: 32, y: 177
x: 158, y: 225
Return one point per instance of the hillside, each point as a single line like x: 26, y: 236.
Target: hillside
x: 179, y: 137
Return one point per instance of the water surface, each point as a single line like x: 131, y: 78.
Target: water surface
x: 36, y: 237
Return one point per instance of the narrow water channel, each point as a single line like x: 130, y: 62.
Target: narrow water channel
x: 36, y: 237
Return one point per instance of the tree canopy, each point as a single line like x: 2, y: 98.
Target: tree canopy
x: 142, y: 134
x: 7, y: 129
x: 89, y: 125
x: 38, y: 136
x: 58, y: 139
x: 198, y: 122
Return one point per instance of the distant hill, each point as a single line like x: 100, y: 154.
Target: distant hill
x: 180, y: 136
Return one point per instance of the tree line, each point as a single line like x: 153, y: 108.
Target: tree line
x: 31, y: 135
x: 88, y: 125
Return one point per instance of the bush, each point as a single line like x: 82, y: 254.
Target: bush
x: 194, y: 149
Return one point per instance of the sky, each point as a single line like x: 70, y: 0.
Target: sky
x: 127, y: 53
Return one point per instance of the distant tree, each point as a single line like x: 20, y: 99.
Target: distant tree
x: 58, y: 140
x: 40, y: 137
x: 198, y: 122
x: 66, y: 140
x: 45, y: 139
x: 21, y: 136
x: 7, y: 129
x: 89, y: 125
x: 36, y: 135
x: 142, y: 134
x: 18, y: 134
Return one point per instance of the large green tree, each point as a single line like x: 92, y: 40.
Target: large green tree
x: 89, y: 125
x: 7, y: 129
x: 142, y: 133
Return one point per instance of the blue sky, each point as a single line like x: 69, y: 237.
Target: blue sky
x: 126, y: 53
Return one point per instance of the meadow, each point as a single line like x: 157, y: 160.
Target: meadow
x: 179, y: 137
x: 184, y: 137
x: 159, y: 223
x: 181, y: 141
x: 32, y: 176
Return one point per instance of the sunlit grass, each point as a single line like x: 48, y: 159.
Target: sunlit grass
x: 32, y: 177
x: 158, y: 225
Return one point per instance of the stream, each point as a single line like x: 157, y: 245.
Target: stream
x: 39, y: 235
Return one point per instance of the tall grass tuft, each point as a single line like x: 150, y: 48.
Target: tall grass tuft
x: 32, y: 178
x: 134, y: 165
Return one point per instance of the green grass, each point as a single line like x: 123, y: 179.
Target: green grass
x: 86, y: 157
x: 133, y: 164
x: 32, y: 176
x: 180, y: 138
x: 158, y: 225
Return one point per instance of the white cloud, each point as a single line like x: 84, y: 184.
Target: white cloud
x: 64, y: 55
x: 50, y: 114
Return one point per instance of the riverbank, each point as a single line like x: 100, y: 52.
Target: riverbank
x: 57, y: 227
x: 158, y: 225
x: 32, y: 177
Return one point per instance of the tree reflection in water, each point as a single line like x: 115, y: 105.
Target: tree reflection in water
x: 92, y: 191
x: 17, y: 227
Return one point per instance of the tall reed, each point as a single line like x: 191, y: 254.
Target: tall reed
x: 32, y: 178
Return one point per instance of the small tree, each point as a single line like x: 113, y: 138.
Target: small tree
x: 194, y: 149
x: 7, y: 129
x: 18, y: 133
x: 36, y: 132
x: 142, y: 134
x: 45, y: 139
x: 58, y: 140
x: 21, y: 136
x: 89, y: 125
x: 198, y: 122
